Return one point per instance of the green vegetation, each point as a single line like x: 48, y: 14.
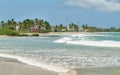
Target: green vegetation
x: 8, y: 32
x: 35, y: 35
x: 44, y: 31
x: 12, y: 27
x: 24, y: 35
x: 26, y: 25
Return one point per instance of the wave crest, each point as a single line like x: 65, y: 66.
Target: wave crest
x: 63, y: 40
x: 103, y: 43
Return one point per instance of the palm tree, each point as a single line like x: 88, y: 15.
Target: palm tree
x: 46, y: 25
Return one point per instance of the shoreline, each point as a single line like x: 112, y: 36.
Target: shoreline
x: 5, y: 36
x: 9, y: 66
x: 42, y: 34
x: 52, y: 33
x: 14, y: 67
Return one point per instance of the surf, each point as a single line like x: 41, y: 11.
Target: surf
x: 95, y: 43
x: 86, y: 40
x: 59, y: 70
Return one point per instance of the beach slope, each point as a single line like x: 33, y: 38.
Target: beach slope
x: 13, y: 67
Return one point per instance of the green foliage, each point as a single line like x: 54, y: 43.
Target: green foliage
x: 44, y: 31
x: 112, y: 29
x: 35, y: 35
x: 26, y: 24
x: 24, y: 35
x: 91, y: 28
x: 73, y: 27
x: 43, y: 26
x: 85, y: 26
x: 8, y: 32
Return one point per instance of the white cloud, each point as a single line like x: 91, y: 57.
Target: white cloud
x: 104, y: 5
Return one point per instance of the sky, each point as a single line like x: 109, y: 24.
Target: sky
x: 100, y: 13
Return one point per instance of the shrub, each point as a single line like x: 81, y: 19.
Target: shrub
x: 35, y: 35
x: 24, y: 35
x: 8, y: 32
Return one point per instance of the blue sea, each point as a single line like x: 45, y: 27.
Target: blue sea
x: 62, y: 52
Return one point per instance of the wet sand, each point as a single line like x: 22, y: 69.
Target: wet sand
x: 13, y: 67
x: 99, y: 71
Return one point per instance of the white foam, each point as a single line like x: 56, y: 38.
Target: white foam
x: 36, y: 63
x: 83, y: 35
x: 95, y: 43
x: 83, y: 41
x: 70, y: 72
x: 63, y: 40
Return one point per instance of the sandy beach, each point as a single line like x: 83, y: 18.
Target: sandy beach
x: 13, y: 67
x: 45, y: 34
x: 99, y: 71
x: 6, y: 36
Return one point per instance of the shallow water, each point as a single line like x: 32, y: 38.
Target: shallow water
x: 84, y: 50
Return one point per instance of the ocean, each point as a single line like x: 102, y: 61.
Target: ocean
x: 62, y: 52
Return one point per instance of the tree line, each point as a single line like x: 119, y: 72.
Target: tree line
x: 27, y: 24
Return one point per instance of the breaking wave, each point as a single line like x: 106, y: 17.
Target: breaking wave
x: 59, y: 70
x: 82, y: 40
x: 63, y: 40
x: 95, y: 43
x: 35, y: 63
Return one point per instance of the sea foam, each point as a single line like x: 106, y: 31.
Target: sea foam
x: 88, y: 42
x: 36, y: 63
x: 63, y: 40
x: 95, y: 43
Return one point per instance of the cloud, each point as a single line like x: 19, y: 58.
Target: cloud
x: 103, y: 5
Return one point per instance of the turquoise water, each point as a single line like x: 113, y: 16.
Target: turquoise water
x: 65, y: 52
